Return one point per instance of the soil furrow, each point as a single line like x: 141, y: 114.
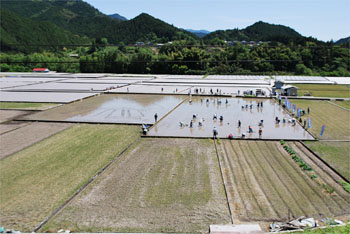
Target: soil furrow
x: 274, y: 213
x: 295, y: 185
x: 256, y: 211
x: 322, y: 176
x: 308, y: 186
x: 235, y: 185
x: 277, y: 184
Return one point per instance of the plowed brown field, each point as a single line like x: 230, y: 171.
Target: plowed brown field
x: 265, y: 184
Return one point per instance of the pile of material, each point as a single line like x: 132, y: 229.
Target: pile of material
x: 3, y: 230
x: 296, y: 224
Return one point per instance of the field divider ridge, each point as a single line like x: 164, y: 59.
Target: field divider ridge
x: 224, y: 182
x: 15, y: 128
x: 169, y: 112
x: 83, y: 187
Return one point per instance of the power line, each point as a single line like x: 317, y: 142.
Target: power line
x: 173, y: 45
x: 169, y: 61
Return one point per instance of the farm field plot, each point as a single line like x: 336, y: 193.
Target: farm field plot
x: 13, y: 84
x: 102, y: 81
x: 336, y: 119
x: 35, y: 80
x: 112, y: 108
x: 335, y: 153
x: 26, y: 105
x: 43, y: 97
x: 324, y: 90
x: 160, y: 185
x: 345, y: 104
x: 265, y: 184
x: 65, y: 87
x: 7, y: 115
x: 206, y: 107
x: 38, y: 179
x: 218, y: 89
x: 212, y: 82
x: 151, y: 88
x: 27, y: 135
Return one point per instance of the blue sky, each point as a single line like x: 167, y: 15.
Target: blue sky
x: 323, y: 19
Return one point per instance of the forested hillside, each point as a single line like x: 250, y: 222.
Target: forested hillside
x: 78, y: 17
x: 73, y: 36
x: 25, y: 35
x: 259, y: 31
x: 81, y: 18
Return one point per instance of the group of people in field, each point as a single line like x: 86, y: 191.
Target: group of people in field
x: 201, y: 121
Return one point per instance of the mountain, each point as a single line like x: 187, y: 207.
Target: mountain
x: 77, y: 16
x: 82, y: 19
x: 18, y: 32
x: 147, y: 28
x: 342, y: 41
x: 199, y: 33
x: 259, y: 31
x: 118, y: 17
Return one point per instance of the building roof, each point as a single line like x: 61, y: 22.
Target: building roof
x: 288, y: 87
x: 40, y: 69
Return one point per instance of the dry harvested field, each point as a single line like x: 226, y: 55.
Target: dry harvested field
x: 336, y: 119
x: 160, y: 185
x: 38, y: 179
x: 27, y: 135
x: 265, y: 184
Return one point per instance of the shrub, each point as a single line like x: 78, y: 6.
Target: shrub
x: 346, y: 186
x: 328, y: 188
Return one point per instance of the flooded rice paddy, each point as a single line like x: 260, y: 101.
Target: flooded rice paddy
x: 113, y: 108
x: 178, y: 122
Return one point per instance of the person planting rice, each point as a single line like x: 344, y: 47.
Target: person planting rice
x: 200, y: 124
x: 250, y: 129
x: 215, y: 132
